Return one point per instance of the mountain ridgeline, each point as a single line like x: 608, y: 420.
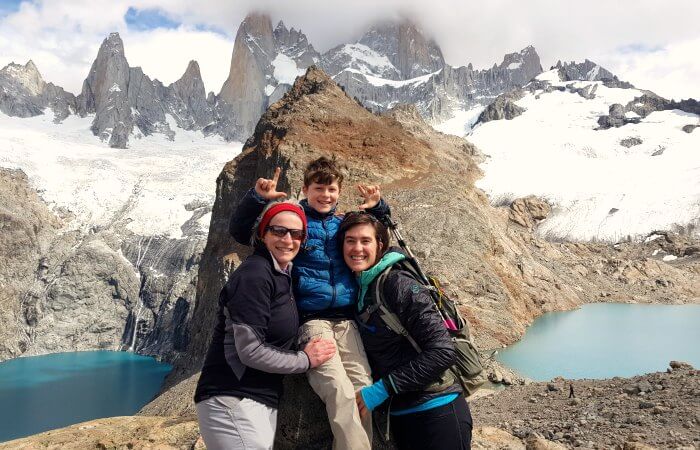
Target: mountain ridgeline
x: 391, y: 64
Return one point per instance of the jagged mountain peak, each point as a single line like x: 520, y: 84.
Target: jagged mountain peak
x: 113, y: 44
x: 256, y: 25
x: 526, y: 57
x: 26, y: 75
x: 585, y: 71
x: 192, y: 70
x: 405, y: 45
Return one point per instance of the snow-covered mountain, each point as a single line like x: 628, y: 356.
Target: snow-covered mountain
x: 395, y: 63
x: 613, y: 160
x: 391, y: 64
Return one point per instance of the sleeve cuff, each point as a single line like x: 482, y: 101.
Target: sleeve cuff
x: 374, y: 395
x: 253, y: 193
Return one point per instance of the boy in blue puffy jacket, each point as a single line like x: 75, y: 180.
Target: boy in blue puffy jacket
x: 325, y: 291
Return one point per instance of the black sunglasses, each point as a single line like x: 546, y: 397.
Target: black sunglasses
x: 276, y: 230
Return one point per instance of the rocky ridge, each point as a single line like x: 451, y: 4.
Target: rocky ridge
x: 502, y: 275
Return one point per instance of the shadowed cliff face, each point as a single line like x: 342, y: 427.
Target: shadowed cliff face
x: 487, y: 257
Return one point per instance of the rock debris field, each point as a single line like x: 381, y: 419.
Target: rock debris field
x: 657, y: 410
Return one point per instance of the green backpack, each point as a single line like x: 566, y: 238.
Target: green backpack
x: 467, y: 370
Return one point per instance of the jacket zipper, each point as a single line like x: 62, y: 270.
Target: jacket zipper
x: 330, y: 263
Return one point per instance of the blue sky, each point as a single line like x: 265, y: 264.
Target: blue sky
x: 148, y: 19
x: 8, y: 6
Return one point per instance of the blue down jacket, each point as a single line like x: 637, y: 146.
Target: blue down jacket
x: 324, y: 287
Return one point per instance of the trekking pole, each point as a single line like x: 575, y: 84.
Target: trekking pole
x: 394, y: 227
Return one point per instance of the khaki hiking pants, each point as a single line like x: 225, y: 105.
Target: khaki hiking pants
x: 337, y: 380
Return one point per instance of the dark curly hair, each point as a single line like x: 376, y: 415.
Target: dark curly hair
x: 322, y: 171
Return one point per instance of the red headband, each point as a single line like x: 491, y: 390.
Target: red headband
x: 276, y: 209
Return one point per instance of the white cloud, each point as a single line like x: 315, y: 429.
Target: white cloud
x: 63, y: 37
x: 671, y: 72
x: 211, y: 50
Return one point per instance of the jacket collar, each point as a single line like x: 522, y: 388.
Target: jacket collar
x: 391, y: 257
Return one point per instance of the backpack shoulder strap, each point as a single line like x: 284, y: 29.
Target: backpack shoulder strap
x: 390, y: 318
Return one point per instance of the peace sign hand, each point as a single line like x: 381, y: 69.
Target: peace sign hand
x: 370, y: 194
x: 267, y: 189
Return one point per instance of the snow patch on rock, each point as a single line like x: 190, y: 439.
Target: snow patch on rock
x: 285, y: 69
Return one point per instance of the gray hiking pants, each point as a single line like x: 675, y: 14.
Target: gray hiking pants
x: 232, y: 423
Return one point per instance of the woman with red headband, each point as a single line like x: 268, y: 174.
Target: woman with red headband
x: 239, y: 389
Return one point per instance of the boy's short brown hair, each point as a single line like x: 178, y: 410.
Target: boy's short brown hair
x: 322, y: 171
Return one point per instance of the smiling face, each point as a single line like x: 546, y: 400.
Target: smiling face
x: 360, y: 247
x: 322, y: 197
x: 284, y: 248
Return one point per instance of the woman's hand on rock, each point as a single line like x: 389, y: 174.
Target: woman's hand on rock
x: 319, y: 351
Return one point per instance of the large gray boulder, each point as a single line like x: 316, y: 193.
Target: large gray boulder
x: 503, y: 107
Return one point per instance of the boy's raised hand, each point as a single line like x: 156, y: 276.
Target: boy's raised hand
x: 267, y: 189
x: 370, y: 194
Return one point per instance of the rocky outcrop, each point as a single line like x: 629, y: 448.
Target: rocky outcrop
x: 528, y: 211
x: 503, y: 107
x: 587, y: 71
x: 24, y: 93
x: 643, y: 106
x: 630, y: 142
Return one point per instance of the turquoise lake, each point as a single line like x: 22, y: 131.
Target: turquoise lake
x: 45, y: 392
x: 607, y: 340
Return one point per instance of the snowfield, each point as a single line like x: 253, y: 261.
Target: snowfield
x: 148, y: 185
x: 599, y: 189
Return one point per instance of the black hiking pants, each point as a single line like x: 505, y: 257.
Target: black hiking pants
x: 447, y: 427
